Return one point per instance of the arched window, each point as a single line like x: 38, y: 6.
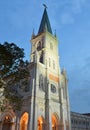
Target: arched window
x: 49, y: 62
x: 53, y: 64
x: 42, y: 57
x: 54, y: 122
x: 7, y: 123
x: 41, y: 123
x: 43, y: 41
x: 39, y: 46
x: 41, y: 83
x: 24, y: 121
x: 51, y: 45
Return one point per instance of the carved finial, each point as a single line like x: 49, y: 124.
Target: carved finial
x: 33, y: 30
x: 55, y: 33
x: 45, y: 6
x: 33, y: 34
x: 63, y: 71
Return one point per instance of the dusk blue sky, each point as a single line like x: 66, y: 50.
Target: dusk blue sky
x: 71, y: 20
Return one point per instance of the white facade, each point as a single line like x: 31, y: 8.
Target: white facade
x: 46, y: 105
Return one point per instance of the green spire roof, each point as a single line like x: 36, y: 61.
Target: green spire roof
x: 45, y: 23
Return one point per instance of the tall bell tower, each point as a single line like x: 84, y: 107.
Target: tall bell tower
x: 49, y: 104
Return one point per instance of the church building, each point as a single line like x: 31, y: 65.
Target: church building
x: 46, y: 104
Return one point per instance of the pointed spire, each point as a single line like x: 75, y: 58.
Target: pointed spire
x: 45, y: 23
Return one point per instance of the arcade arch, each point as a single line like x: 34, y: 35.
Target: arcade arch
x: 55, y: 121
x: 41, y: 123
x: 24, y: 121
x: 7, y: 121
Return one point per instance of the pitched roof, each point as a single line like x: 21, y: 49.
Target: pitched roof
x: 45, y: 23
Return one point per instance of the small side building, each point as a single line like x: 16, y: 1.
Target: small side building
x: 80, y: 121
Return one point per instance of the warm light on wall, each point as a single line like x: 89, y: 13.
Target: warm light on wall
x: 40, y: 120
x: 6, y: 117
x: 54, y: 120
x: 24, y: 118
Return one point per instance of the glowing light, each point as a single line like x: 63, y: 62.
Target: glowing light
x: 6, y: 117
x: 40, y: 123
x: 24, y: 118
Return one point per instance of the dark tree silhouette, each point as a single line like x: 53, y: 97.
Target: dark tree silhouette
x: 13, y: 73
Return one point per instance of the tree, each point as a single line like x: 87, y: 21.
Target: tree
x: 13, y: 73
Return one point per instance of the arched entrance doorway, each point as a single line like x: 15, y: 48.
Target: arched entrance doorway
x: 7, y: 123
x: 41, y: 123
x: 54, y: 122
x: 24, y: 121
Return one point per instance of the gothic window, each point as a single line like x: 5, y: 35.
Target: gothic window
x: 24, y: 121
x: 53, y: 64
x: 51, y: 46
x: 39, y: 46
x: 7, y: 119
x: 49, y: 62
x: 6, y: 125
x: 42, y: 57
x: 43, y: 41
x: 41, y: 84
x: 53, y: 88
x: 72, y: 121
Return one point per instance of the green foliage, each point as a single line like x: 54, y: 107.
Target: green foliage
x: 13, y: 72
x: 10, y: 57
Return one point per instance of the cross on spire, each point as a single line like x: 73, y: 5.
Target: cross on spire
x: 45, y: 6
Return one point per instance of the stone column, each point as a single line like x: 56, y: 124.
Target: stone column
x: 13, y: 126
x: 17, y: 125
x: 28, y: 125
x: 0, y: 125
x: 31, y: 116
x: 33, y: 110
x: 50, y: 116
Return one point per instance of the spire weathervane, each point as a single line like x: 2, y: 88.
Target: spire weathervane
x: 45, y: 6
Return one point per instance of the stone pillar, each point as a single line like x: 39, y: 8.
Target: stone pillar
x: 48, y: 108
x: 43, y: 126
x: 31, y: 116
x: 0, y: 125
x: 13, y: 126
x: 17, y: 125
x: 58, y: 127
x: 33, y: 110
x: 30, y: 123
x: 36, y: 118
x: 50, y: 115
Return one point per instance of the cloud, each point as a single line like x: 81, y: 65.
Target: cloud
x: 70, y: 9
x: 79, y: 86
x: 66, y: 18
x: 80, y: 100
x: 77, y: 6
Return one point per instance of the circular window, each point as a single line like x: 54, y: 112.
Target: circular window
x: 53, y: 88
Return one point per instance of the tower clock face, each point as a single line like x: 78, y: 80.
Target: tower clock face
x: 53, y: 88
